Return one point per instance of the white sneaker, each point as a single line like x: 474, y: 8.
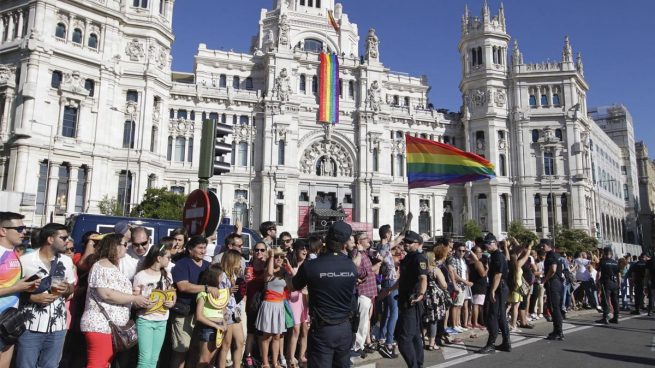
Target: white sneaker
x: 540, y: 316
x: 459, y: 329
x: 515, y: 330
x: 533, y: 316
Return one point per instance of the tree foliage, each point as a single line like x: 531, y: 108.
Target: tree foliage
x: 574, y: 240
x: 521, y: 233
x: 160, y: 203
x: 472, y: 230
x: 110, y: 206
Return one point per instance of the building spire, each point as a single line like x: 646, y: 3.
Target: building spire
x: 466, y: 11
x: 501, y: 16
x: 578, y: 64
x: 517, y: 58
x: 485, y: 12
x: 567, y: 52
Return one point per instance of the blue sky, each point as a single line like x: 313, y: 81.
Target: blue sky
x: 421, y: 36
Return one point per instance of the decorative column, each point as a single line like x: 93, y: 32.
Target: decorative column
x: 545, y: 224
x: 2, y: 29
x: 19, y: 31
x: 51, y: 195
x: 72, y: 189
x: 10, y: 27
x: 86, y: 205
x: 558, y: 210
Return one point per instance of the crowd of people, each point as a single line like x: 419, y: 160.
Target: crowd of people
x: 294, y: 302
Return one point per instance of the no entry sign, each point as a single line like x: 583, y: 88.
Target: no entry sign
x: 195, y: 215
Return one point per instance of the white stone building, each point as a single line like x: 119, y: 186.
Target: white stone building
x: 139, y: 117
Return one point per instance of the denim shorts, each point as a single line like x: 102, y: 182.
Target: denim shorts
x: 207, y: 334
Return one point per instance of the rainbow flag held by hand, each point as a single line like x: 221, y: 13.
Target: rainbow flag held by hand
x: 328, y: 101
x: 432, y: 163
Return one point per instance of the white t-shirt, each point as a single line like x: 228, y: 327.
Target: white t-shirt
x: 52, y: 317
x: 581, y: 271
x: 131, y: 262
x: 146, y: 282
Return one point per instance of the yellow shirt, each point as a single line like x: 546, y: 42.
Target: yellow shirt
x: 208, y: 309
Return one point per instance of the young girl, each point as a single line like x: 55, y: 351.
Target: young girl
x: 151, y: 326
x: 300, y: 310
x: 231, y: 266
x: 211, y: 317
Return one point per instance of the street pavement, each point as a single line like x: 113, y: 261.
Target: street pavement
x: 631, y: 343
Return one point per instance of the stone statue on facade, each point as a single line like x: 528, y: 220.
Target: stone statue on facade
x: 284, y: 30
x: 327, y: 166
x: 282, y: 88
x: 372, y: 44
x: 374, y: 96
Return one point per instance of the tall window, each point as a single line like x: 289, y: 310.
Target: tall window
x: 128, y: 134
x: 340, y: 88
x: 60, y: 31
x: 556, y: 101
x: 537, y: 213
x: 77, y: 36
x: 80, y: 193
x: 424, y: 219
x: 399, y: 215
x: 152, y: 181
x: 551, y: 223
x: 222, y: 81
x: 169, y: 149
x: 279, y: 214
x: 502, y: 166
x: 90, y: 86
x: 303, y: 83
x: 189, y: 156
x: 281, y: 152
x: 62, y: 189
x: 244, y: 120
x: 154, y: 138
x: 544, y: 100
x: 314, y: 84
x: 376, y: 159
x: 233, y: 154
x: 161, y: 7
x: 236, y: 82
x: 351, y: 89
x: 182, y: 114
x: 533, y: 100
x: 243, y: 154
x: 535, y: 135
x: 125, y: 190
x: 558, y: 134
x: 55, y: 80
x: 41, y: 194
x: 249, y: 84
x: 180, y: 142
x: 504, y: 212
x: 69, y: 127
x: 376, y: 218
x: 399, y: 168
x: 565, y: 211
x: 549, y: 163
x: 132, y: 95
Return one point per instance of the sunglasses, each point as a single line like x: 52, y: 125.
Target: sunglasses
x: 64, y: 238
x: 288, y: 240
x: 19, y: 229
x: 143, y: 244
x: 124, y: 244
x: 280, y: 257
x: 259, y: 250
x: 272, y: 229
x: 71, y: 250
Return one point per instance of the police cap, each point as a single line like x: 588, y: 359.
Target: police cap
x: 489, y: 238
x: 412, y: 237
x: 339, y: 232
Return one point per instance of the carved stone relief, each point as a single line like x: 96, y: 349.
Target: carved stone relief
x: 331, y: 150
x: 135, y: 50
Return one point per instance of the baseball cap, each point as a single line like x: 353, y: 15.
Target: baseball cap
x: 489, y: 238
x: 411, y: 237
x: 339, y: 231
x: 122, y: 228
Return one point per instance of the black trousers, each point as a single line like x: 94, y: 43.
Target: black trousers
x: 408, y: 335
x: 610, y: 296
x: 496, y: 316
x: 329, y: 346
x: 555, y: 294
x: 639, y: 295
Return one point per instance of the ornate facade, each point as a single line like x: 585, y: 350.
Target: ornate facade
x: 91, y: 109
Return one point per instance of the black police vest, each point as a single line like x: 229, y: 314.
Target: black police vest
x: 609, y: 269
x: 331, y: 282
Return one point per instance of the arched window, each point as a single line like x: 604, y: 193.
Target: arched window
x: 537, y: 213
x: 234, y: 120
x: 396, y: 100
x: 495, y: 54
x: 189, y: 156
x: 474, y: 57
x: 62, y: 189
x: 93, y: 41
x: 222, y: 81
x: 351, y: 89
x: 244, y: 120
x: 161, y: 7
x: 479, y: 55
x: 60, y: 31
x: 558, y: 134
x: 549, y: 163
x: 313, y: 45
x: 169, y: 149
x: 223, y: 118
x: 128, y: 134
x: 406, y: 101
x: 535, y: 135
x: 314, y: 84
x: 80, y: 193
x: 533, y: 100
x: 77, y: 36
x: 243, y: 154
x: 281, y: 152
x: 90, y: 86
x: 171, y: 114
x: 213, y: 116
x: 504, y: 212
x: 55, y: 80
x: 236, y: 82
x: 556, y: 101
x: 154, y: 137
x: 502, y: 168
x: 544, y: 100
x: 303, y: 83
x: 182, y: 114
x: 565, y: 211
x: 399, y: 218
x: 180, y: 142
x: 249, y: 85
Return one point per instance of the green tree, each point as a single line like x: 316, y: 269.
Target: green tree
x: 472, y: 230
x: 110, y: 206
x: 521, y: 233
x: 574, y: 240
x: 160, y: 203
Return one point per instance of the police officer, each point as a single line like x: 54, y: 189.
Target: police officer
x: 331, y: 280
x: 496, y: 298
x: 637, y: 274
x: 412, y: 285
x: 554, y: 288
x: 609, y: 278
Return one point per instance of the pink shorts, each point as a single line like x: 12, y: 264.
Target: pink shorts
x: 478, y: 299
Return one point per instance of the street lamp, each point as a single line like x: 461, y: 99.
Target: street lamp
x: 130, y: 110
x: 47, y: 181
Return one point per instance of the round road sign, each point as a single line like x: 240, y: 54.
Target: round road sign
x: 195, y: 215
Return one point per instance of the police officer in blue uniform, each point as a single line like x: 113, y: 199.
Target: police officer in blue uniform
x: 496, y: 298
x: 554, y: 289
x: 330, y: 280
x: 609, y: 278
x: 411, y: 285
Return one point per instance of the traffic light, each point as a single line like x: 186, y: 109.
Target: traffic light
x: 213, y: 148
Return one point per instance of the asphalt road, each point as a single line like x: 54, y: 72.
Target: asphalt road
x: 631, y: 343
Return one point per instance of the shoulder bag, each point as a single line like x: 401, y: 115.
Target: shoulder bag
x: 12, y: 325
x: 524, y: 288
x: 122, y: 337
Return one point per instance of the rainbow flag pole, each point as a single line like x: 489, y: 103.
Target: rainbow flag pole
x: 432, y: 163
x: 328, y: 102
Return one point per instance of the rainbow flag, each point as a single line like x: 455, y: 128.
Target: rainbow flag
x: 328, y: 100
x: 432, y: 163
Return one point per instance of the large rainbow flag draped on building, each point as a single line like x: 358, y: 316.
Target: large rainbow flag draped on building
x: 432, y: 163
x: 328, y: 101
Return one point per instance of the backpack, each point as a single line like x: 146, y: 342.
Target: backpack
x: 569, y: 276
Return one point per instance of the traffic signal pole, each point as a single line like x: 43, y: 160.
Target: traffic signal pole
x: 206, y: 154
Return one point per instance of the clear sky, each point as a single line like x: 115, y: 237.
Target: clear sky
x: 419, y: 37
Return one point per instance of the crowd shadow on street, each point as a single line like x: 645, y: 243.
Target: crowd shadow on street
x: 617, y: 357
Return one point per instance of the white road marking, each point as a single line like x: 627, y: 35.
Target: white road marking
x: 454, y: 351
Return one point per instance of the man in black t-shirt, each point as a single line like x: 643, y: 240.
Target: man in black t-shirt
x: 330, y: 280
x: 637, y: 274
x: 650, y: 282
x: 496, y: 298
x: 609, y: 278
x: 554, y: 288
